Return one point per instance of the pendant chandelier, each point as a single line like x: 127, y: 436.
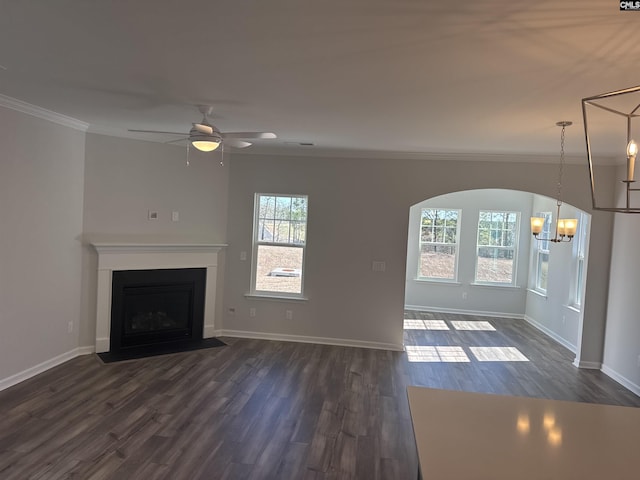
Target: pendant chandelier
x: 565, y: 228
x: 612, y: 107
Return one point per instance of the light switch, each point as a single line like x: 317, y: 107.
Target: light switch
x: 175, y: 216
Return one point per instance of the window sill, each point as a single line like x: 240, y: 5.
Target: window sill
x: 437, y: 282
x: 574, y: 308
x: 275, y: 297
x: 536, y: 292
x: 494, y: 285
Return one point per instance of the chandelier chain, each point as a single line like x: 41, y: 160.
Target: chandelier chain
x: 559, y: 202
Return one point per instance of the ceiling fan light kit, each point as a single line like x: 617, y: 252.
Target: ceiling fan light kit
x: 205, y: 142
x: 206, y: 137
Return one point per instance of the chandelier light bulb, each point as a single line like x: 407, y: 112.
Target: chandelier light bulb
x: 632, y: 151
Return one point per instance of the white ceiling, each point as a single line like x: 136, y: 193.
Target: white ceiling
x: 392, y: 76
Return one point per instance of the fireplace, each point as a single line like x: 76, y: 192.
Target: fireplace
x: 157, y: 307
x: 116, y: 256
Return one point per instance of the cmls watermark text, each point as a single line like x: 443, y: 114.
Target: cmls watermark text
x: 630, y: 6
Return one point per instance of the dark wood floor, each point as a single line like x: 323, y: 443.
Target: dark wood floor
x: 264, y: 409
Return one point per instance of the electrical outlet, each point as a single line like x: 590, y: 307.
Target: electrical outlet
x: 289, y: 314
x: 175, y: 216
x: 464, y: 295
x: 232, y: 311
x: 252, y: 312
x: 243, y: 256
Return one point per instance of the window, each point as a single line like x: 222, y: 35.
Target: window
x: 541, y: 254
x: 496, y: 247
x: 439, y: 237
x: 580, y: 248
x: 279, y: 241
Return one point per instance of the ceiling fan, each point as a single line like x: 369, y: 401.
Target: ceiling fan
x: 206, y: 137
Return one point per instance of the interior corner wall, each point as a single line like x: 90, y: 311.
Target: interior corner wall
x: 552, y: 312
x: 125, y: 179
x: 622, y: 340
x: 464, y: 295
x: 359, y: 213
x: 41, y: 198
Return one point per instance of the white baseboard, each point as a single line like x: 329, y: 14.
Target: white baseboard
x: 44, y: 366
x: 305, y: 339
x: 103, y: 344
x: 550, y: 333
x: 587, y: 365
x: 622, y: 380
x: 209, y: 331
x: 479, y: 313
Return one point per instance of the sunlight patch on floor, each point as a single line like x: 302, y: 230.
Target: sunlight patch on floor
x: 420, y: 353
x: 498, y: 354
x: 465, y: 325
x: 410, y: 324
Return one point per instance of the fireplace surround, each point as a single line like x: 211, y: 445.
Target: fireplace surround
x: 127, y: 256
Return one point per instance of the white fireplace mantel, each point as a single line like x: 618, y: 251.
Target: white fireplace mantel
x: 114, y: 256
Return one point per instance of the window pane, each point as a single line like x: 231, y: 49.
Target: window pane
x: 579, y: 275
x: 438, y: 261
x: 279, y: 269
x: 495, y: 265
x: 282, y: 219
x: 542, y: 271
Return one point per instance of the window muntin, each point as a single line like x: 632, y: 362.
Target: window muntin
x: 439, y: 239
x: 279, y: 239
x: 496, y: 247
x: 541, y: 266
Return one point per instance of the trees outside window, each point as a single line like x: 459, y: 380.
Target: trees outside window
x: 497, y: 247
x: 279, y: 242
x: 439, y: 238
x: 541, y: 254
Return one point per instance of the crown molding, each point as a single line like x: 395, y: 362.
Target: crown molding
x: 43, y: 113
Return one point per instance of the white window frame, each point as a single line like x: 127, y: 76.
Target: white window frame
x: 580, y: 244
x: 257, y: 243
x: 455, y: 245
x: 514, y: 248
x: 541, y: 247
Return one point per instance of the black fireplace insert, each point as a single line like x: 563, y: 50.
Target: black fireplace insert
x: 151, y: 308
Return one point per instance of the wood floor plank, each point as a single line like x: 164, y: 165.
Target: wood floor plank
x: 266, y: 410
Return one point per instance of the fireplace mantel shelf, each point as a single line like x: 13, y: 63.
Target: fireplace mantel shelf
x: 121, y: 247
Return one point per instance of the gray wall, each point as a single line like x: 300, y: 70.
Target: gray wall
x: 124, y: 179
x: 41, y: 188
x: 483, y: 299
x: 622, y: 342
x: 358, y: 213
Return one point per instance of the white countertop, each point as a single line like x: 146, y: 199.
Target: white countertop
x: 473, y: 436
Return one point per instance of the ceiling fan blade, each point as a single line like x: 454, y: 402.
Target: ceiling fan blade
x: 178, y: 140
x: 249, y: 135
x: 156, y: 131
x: 203, y: 128
x: 237, y: 143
